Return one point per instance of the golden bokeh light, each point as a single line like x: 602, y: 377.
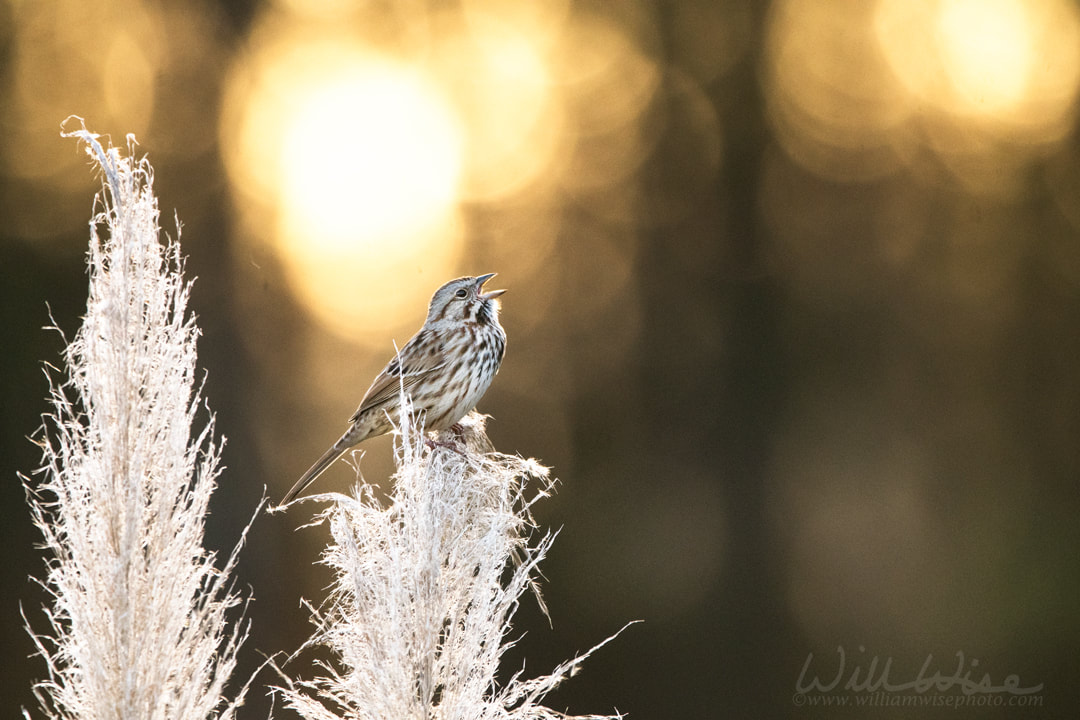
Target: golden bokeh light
x: 609, y: 77
x: 831, y: 99
x: 710, y: 36
x: 609, y: 84
x: 128, y: 78
x: 332, y: 10
x: 349, y: 162
x: 1011, y: 61
x: 352, y: 158
x: 543, y: 21
x: 353, y: 153
x: 859, y: 91
x: 513, y: 123
x: 986, y: 46
x: 123, y: 66
x: 392, y: 162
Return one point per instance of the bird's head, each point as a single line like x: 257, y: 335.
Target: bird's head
x: 463, y: 300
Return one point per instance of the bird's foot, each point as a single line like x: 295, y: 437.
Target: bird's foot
x: 449, y: 445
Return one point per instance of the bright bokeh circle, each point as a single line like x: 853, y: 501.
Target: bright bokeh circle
x: 349, y: 164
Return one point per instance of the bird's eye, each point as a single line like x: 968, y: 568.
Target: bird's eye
x: 461, y: 293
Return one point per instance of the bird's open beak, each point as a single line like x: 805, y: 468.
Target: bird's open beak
x: 480, y: 284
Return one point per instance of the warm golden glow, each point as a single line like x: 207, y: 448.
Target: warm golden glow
x: 331, y: 10
x: 543, y: 21
x: 349, y: 162
x: 858, y: 91
x: 369, y: 154
x: 128, y: 78
x: 126, y: 67
x: 513, y: 123
x: 832, y: 100
x: 986, y: 46
x: 1011, y: 60
x: 610, y: 79
x: 610, y: 83
x: 66, y: 58
x: 352, y: 155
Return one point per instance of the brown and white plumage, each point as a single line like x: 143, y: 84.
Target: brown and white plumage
x: 445, y: 369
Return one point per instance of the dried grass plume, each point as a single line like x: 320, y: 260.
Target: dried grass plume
x: 425, y: 587
x: 137, y: 623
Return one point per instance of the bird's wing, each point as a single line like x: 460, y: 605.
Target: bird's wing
x: 406, y: 369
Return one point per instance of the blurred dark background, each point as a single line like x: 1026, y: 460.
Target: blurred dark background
x: 793, y: 309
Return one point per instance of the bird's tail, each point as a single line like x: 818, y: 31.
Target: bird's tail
x: 336, y: 450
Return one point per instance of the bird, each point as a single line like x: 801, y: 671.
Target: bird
x: 445, y: 368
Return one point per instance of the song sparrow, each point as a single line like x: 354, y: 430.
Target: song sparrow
x: 445, y: 368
